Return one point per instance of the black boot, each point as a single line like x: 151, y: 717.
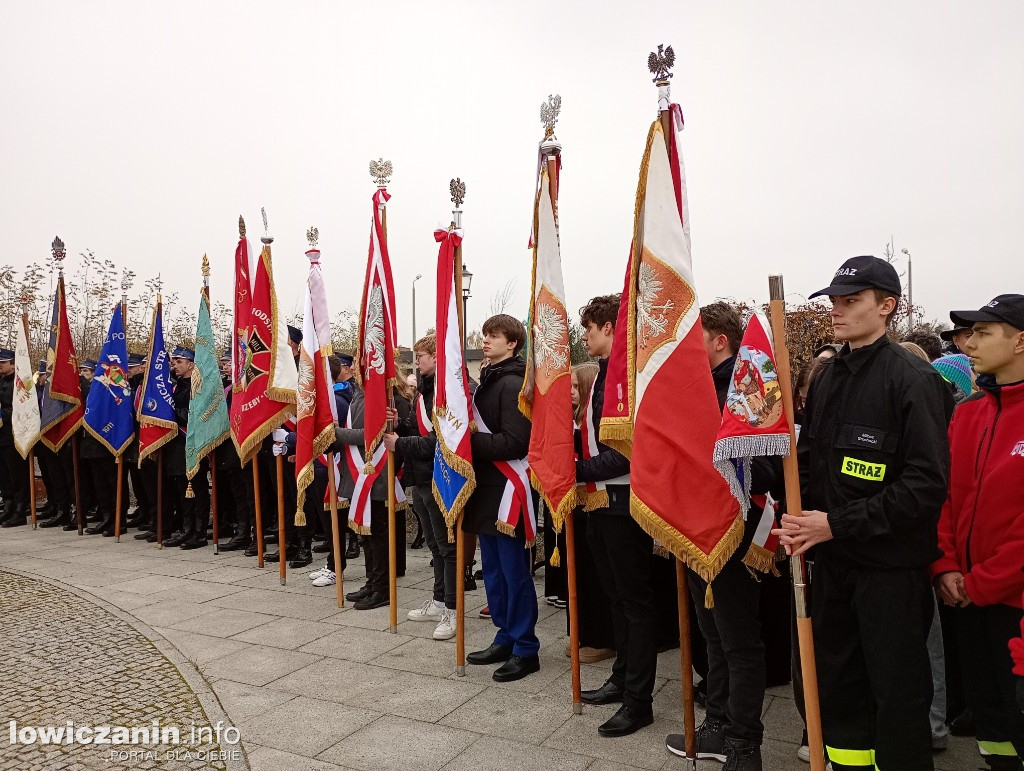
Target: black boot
x: 106, y: 524
x: 469, y: 583
x: 61, y: 517
x: 303, y: 555
x: 8, y: 512
x: 745, y: 756
x: 353, y: 547
x: 239, y: 541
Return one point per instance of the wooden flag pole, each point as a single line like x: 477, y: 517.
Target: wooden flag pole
x: 332, y: 485
x: 458, y: 196
x: 119, y: 498
x: 213, y: 497
x: 160, y: 498
x: 392, y: 543
x: 79, y: 514
x: 32, y: 485
x: 574, y: 617
x: 281, y: 529
x: 794, y: 506
x: 682, y: 585
x: 259, y: 509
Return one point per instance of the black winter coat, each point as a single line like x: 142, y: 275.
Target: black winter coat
x: 609, y: 463
x: 354, y: 436
x: 418, y: 451
x: 176, y: 447
x: 6, y: 407
x: 497, y: 401
x: 90, y: 447
x: 874, y: 455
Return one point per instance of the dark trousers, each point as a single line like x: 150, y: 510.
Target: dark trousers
x: 736, y: 661
x: 556, y: 580
x: 235, y: 488
x: 16, y: 481
x: 622, y: 553
x: 194, y: 512
x: 435, y: 533
x: 375, y: 548
x: 104, y: 481
x: 874, y: 677
x: 983, y: 634
x: 50, y: 464
x: 511, y: 595
x: 592, y: 604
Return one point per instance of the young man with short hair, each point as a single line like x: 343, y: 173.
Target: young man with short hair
x: 500, y: 445
x: 621, y: 550
x: 874, y: 464
x: 981, y: 531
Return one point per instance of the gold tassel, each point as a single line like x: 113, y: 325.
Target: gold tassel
x: 368, y: 469
x: 189, y: 493
x: 709, y: 598
x: 300, y: 518
x: 556, y: 559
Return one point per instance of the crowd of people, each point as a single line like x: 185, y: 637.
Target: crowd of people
x: 911, y: 458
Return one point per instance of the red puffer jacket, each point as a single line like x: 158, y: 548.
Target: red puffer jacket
x: 981, y: 531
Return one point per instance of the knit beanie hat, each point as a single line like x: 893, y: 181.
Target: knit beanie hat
x: 956, y: 368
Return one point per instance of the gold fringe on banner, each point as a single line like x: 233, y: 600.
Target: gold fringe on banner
x: 300, y: 518
x: 556, y: 559
x: 760, y: 559
x: 709, y: 598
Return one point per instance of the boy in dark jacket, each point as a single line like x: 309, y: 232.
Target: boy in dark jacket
x: 981, y: 530
x: 503, y: 436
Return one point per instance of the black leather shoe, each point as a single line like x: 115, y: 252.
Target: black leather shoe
x: 252, y: 550
x: 626, y: 721
x: 516, y: 668
x: 496, y: 654
x: 352, y: 552
x: 609, y: 693
x: 269, y: 538
x: 72, y: 525
x: 150, y: 537
x: 322, y: 548
x: 374, y: 600
x: 271, y: 556
x: 99, y: 527
x: 144, y: 535
x: 175, y: 540
x: 237, y: 543
x: 56, y: 520
x: 359, y: 594
x: 108, y: 532
x: 194, y: 543
x: 16, y: 521
x: 963, y: 724
x: 302, y: 558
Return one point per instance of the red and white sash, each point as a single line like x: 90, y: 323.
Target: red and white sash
x: 359, y: 510
x: 596, y: 496
x: 423, y: 421
x: 517, y: 497
x: 761, y: 554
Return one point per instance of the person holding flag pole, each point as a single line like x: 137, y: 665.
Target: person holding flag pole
x: 207, y: 422
x: 546, y: 398
x: 25, y: 406
x: 315, y: 407
x: 156, y: 416
x: 108, y: 409
x: 453, y: 477
x: 61, y: 407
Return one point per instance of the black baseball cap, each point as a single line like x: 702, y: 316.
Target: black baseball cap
x: 1007, y: 308
x: 949, y: 334
x: 860, y: 273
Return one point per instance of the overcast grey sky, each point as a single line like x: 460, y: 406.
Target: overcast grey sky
x: 814, y: 131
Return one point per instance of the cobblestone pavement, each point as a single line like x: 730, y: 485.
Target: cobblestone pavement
x: 64, y: 658
x: 311, y: 686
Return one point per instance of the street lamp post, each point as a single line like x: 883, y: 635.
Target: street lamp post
x: 418, y: 277
x: 467, y: 280
x: 910, y: 291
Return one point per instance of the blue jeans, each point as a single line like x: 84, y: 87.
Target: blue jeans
x: 511, y: 595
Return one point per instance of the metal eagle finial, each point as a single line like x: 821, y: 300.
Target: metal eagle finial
x: 57, y: 249
x: 660, y: 63
x: 241, y: 227
x: 206, y: 266
x: 126, y: 280
x: 549, y: 112
x: 381, y: 171
x: 458, y: 190
x: 313, y: 236
x: 266, y: 237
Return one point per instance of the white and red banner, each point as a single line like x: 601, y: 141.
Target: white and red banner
x: 365, y: 474
x: 316, y: 410
x: 547, y: 390
x: 377, y: 336
x: 516, y: 499
x: 25, y: 421
x: 677, y: 495
x: 265, y: 372
x: 454, y: 479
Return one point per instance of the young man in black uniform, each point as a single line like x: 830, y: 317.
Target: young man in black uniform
x: 874, y: 463
x: 194, y: 512
x: 15, y: 468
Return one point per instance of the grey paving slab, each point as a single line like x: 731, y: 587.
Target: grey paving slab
x: 225, y: 574
x: 223, y: 622
x: 196, y: 590
x: 151, y: 584
x: 167, y: 613
x: 290, y: 633
x: 490, y: 752
x: 378, y: 618
x: 304, y: 727
x: 521, y: 717
x: 644, y: 749
x: 280, y: 604
x: 552, y: 665
x: 427, y: 657
x: 124, y: 600
x: 243, y: 702
x: 393, y: 742
x: 269, y: 759
x: 257, y: 664
x: 354, y: 643
x: 201, y: 648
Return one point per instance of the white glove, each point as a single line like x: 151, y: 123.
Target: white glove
x: 280, y: 435
x: 280, y: 448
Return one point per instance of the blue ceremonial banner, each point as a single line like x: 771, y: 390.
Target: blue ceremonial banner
x: 157, y: 420
x: 109, y: 407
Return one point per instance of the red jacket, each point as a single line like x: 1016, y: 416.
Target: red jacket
x: 981, y: 530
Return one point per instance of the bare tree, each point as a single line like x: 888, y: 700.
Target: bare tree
x: 502, y: 299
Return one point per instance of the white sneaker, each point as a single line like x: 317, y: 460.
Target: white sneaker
x: 326, y: 578
x: 315, y: 574
x: 429, y: 611
x: 804, y: 753
x: 446, y: 629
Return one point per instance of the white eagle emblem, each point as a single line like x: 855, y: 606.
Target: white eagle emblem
x: 305, y: 394
x: 652, y: 320
x: 373, y: 331
x: 550, y: 352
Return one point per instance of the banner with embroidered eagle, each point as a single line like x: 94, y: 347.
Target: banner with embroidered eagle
x: 61, y: 407
x: 265, y: 372
x: 546, y: 397
x: 109, y: 407
x: 754, y: 424
x: 158, y: 422
x: 316, y: 409
x: 677, y: 495
x: 377, y: 342
x: 24, y: 402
